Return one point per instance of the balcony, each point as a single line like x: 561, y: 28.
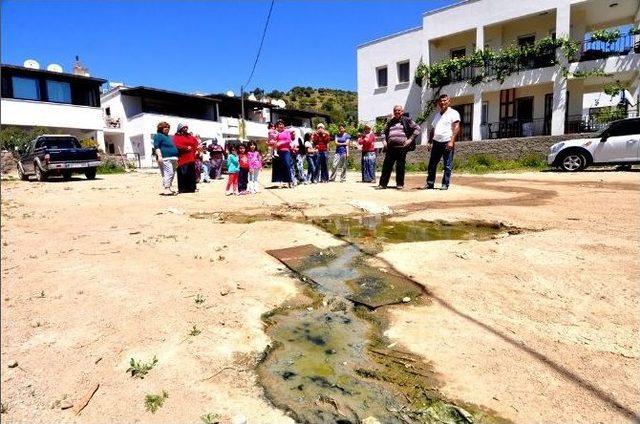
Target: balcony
x: 574, y: 124
x: 587, y: 50
x: 595, y: 49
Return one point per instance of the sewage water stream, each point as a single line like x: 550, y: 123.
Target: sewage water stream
x: 329, y: 361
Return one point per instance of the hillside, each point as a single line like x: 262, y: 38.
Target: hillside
x: 340, y: 105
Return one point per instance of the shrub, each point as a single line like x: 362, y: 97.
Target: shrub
x: 12, y: 138
x: 88, y: 143
x: 111, y: 165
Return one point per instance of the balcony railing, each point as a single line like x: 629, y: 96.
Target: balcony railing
x: 592, y: 50
x: 588, y: 50
x: 536, y: 127
x: 112, y: 122
x: 489, y: 69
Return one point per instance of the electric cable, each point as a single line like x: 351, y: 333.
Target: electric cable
x: 264, y: 33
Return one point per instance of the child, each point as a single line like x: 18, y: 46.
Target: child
x: 272, y: 135
x: 204, y: 156
x: 243, y: 174
x: 232, y: 168
x: 255, y: 164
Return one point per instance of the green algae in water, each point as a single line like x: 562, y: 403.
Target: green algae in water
x: 368, y: 229
x: 330, y: 365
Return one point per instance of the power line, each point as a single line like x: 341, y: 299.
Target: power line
x: 264, y: 33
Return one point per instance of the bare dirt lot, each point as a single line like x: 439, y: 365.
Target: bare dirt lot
x: 541, y: 326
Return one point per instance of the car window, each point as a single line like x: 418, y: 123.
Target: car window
x: 629, y: 127
x: 58, y: 142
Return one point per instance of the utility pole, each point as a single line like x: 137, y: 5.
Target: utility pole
x: 242, y: 100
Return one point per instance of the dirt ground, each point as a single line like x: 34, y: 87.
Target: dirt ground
x: 539, y: 327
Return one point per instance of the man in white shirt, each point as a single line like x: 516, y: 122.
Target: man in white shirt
x: 442, y: 139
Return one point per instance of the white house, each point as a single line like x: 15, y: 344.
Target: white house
x: 64, y: 103
x: 538, y: 99
x: 133, y: 113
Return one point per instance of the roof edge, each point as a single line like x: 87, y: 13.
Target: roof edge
x: 386, y: 37
x: 47, y: 72
x: 451, y: 6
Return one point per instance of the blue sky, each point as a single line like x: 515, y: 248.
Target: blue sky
x: 206, y: 46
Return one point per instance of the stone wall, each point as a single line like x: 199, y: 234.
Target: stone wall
x: 7, y: 162
x: 504, y: 148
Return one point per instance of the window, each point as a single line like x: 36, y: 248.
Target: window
x: 381, y: 74
x: 458, y: 53
x: 26, y: 88
x: 630, y: 127
x: 403, y: 72
x: 526, y: 40
x: 59, y: 92
x: 484, y: 113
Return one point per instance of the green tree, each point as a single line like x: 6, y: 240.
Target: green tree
x: 12, y: 138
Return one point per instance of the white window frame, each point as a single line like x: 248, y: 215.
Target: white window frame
x: 398, y: 64
x: 378, y: 69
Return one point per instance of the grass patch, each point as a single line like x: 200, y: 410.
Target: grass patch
x: 153, y: 402
x: 483, y: 163
x: 110, y: 168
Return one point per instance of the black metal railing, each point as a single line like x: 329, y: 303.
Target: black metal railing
x: 574, y: 124
x: 517, y: 128
x: 592, y: 50
x: 588, y: 50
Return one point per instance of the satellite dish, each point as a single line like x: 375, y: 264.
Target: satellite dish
x: 31, y: 64
x: 230, y: 93
x: 54, y: 67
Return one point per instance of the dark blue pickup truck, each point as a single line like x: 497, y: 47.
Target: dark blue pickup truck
x: 53, y: 154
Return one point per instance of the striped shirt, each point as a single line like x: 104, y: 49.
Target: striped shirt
x: 397, y: 137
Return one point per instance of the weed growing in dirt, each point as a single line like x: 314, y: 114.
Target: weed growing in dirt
x: 153, y: 402
x: 210, y: 419
x: 140, y: 369
x: 199, y: 299
x: 195, y: 331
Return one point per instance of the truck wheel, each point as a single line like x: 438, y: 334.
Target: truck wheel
x: 66, y: 175
x: 90, y: 173
x: 40, y: 174
x: 23, y: 176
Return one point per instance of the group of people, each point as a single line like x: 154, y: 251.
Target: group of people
x: 289, y: 155
x: 186, y: 155
x: 193, y: 161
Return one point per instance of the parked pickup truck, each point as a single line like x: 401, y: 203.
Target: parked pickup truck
x: 54, y: 154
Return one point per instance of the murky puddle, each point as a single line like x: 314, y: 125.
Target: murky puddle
x: 329, y: 362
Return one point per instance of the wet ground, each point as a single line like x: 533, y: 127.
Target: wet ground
x: 330, y: 362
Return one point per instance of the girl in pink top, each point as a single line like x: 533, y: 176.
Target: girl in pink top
x: 271, y: 139
x: 255, y: 165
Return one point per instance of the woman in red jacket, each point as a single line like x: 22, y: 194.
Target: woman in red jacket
x: 187, y: 146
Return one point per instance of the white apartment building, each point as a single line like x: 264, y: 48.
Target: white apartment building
x: 132, y: 114
x: 64, y: 103
x: 537, y: 100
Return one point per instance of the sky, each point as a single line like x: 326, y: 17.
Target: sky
x: 205, y: 46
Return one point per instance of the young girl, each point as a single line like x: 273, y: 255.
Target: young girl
x: 232, y: 168
x: 255, y: 164
x: 272, y: 134
x: 243, y: 174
